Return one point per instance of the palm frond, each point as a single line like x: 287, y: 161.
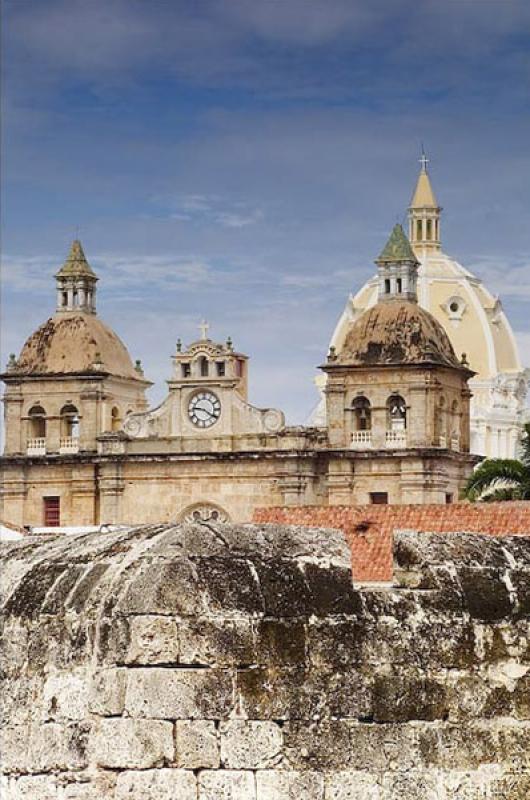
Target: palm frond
x: 496, y: 473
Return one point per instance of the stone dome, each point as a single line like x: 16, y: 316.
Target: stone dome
x: 73, y: 343
x: 397, y: 332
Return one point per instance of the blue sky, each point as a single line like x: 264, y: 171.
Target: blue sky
x: 245, y: 160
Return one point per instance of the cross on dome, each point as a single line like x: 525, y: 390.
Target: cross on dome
x: 423, y: 160
x: 204, y: 328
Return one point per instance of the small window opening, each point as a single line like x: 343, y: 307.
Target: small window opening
x: 186, y: 370
x: 399, y: 283
x: 220, y: 368
x: 397, y: 413
x: 429, y: 229
x: 418, y: 229
x: 65, y: 298
x: 75, y: 299
x: 52, y: 511
x: 37, y: 417
x: 115, y: 419
x: 239, y: 367
x: 203, y: 361
x: 379, y: 498
x: 70, y: 421
x: 448, y: 499
x: 454, y: 307
x: 363, y: 414
x: 387, y: 286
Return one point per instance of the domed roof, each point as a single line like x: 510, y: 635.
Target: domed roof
x: 397, y: 332
x: 73, y: 343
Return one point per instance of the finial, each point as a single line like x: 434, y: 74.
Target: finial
x: 464, y: 361
x: 179, y: 345
x: 138, y: 367
x: 423, y: 160
x: 332, y: 355
x: 12, y: 363
x: 229, y: 345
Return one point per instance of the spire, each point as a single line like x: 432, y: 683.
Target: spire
x: 398, y: 268
x: 76, y: 282
x: 424, y: 213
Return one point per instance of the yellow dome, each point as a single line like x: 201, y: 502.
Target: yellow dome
x: 397, y: 332
x: 73, y: 343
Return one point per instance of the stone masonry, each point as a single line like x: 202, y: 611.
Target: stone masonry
x: 224, y: 662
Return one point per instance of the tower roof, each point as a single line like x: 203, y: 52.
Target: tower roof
x: 397, y: 248
x: 76, y: 263
x: 423, y: 196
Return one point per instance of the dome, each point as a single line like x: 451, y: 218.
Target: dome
x: 73, y: 343
x: 397, y: 332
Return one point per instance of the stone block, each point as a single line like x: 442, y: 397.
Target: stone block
x: 179, y: 693
x: 413, y: 786
x: 250, y: 744
x: 44, y: 748
x: 227, y: 784
x: 352, y: 785
x: 230, y: 585
x: 156, y: 784
x: 216, y: 642
x: 399, y: 698
x: 384, y: 747
x: 197, y: 744
x: 132, y: 744
x: 486, y: 594
x: 280, y: 642
x: 272, y: 784
x: 65, y: 696
x: 165, y: 587
x: 317, y: 746
x: 107, y: 692
x: 31, y: 787
x: 153, y: 640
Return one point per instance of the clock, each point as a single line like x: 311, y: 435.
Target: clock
x: 204, y: 409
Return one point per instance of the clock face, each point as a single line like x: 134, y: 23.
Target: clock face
x: 204, y: 409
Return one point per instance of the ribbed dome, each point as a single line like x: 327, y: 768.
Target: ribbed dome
x: 75, y: 343
x: 397, y: 333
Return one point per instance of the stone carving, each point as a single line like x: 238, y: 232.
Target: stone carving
x: 204, y: 512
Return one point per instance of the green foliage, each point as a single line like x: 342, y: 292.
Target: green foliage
x: 502, y: 478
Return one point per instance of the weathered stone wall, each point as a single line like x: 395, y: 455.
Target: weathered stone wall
x: 226, y: 662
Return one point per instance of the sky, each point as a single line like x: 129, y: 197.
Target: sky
x: 244, y: 161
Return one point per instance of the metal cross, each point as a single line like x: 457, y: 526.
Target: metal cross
x: 423, y: 160
x: 204, y: 328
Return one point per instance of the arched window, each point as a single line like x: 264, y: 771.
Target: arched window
x: 429, y: 229
x: 397, y: 413
x: 418, y: 230
x: 37, y: 418
x: 387, y: 285
x: 69, y: 421
x: 203, y: 366
x: 115, y: 419
x: 363, y: 414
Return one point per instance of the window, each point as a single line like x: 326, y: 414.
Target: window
x: 387, y: 286
x: 186, y: 370
x: 448, y: 499
x: 69, y: 421
x: 363, y: 414
x: 115, y: 419
x: 379, y: 498
x: 65, y: 298
x: 429, y: 229
x: 399, y: 284
x: 203, y: 362
x: 220, y: 368
x: 418, y: 229
x: 52, y: 511
x: 37, y: 417
x: 239, y: 367
x: 397, y: 413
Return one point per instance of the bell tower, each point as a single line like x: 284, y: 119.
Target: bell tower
x: 424, y: 214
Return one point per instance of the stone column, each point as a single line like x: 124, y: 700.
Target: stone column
x: 13, y: 422
x: 110, y: 488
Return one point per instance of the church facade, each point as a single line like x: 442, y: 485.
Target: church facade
x: 83, y: 448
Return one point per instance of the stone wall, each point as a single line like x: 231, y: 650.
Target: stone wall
x: 223, y: 662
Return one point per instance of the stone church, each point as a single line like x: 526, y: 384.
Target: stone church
x: 83, y: 448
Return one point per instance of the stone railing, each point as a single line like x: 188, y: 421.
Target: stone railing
x: 69, y: 444
x: 361, y: 440
x: 396, y: 439
x: 36, y: 446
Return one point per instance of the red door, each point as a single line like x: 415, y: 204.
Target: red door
x: 52, y: 512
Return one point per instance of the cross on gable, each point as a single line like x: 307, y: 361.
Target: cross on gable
x: 204, y: 328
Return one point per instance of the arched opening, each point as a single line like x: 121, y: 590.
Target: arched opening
x: 203, y: 366
x: 362, y: 414
x: 387, y: 285
x: 418, y: 229
x: 439, y: 423
x: 37, y: 422
x: 115, y: 419
x: 69, y: 422
x: 429, y: 230
x: 399, y: 285
x: 396, y: 413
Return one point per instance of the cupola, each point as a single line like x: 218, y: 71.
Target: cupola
x: 76, y: 282
x: 424, y: 214
x: 397, y: 268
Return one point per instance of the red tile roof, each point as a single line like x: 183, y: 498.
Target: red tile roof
x: 370, y: 528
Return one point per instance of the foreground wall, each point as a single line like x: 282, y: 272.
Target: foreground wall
x: 238, y: 662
